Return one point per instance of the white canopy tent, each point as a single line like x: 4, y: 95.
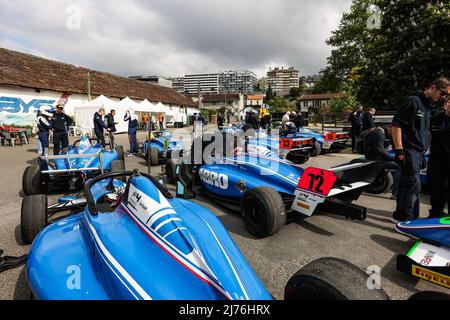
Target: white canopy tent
x: 128, y: 104
x: 148, y: 107
x: 84, y: 115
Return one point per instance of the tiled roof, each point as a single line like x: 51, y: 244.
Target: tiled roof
x: 28, y: 71
x: 324, y: 96
x: 255, y: 97
x: 220, y: 97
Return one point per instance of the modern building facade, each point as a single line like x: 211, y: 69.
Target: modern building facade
x: 178, y: 84
x: 282, y: 80
x: 207, y: 83
x: 234, y: 81
x: 240, y: 81
x: 160, y: 81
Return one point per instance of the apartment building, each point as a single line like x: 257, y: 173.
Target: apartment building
x: 282, y: 80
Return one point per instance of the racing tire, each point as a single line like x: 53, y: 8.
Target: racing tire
x: 32, y: 182
x: 331, y: 279
x: 120, y: 153
x: 33, y: 217
x: 317, y: 150
x: 152, y: 156
x: 382, y: 183
x: 171, y: 169
x: 263, y: 211
x: 118, y: 166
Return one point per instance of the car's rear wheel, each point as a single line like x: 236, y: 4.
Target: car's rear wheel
x: 118, y: 166
x: 382, y: 183
x: 33, y: 217
x: 317, y: 149
x: 331, y: 279
x: 152, y: 156
x: 120, y: 153
x: 32, y: 182
x: 263, y: 211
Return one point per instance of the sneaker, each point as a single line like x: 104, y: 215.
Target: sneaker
x: 434, y: 214
x: 400, y: 218
x: 130, y: 155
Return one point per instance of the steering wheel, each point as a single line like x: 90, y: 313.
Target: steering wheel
x: 92, y: 205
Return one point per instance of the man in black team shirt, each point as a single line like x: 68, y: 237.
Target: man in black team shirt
x: 61, y: 123
x: 412, y: 138
x: 438, y: 165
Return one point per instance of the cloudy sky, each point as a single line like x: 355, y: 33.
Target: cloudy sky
x: 174, y: 37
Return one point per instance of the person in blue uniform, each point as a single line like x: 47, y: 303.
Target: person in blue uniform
x: 438, y: 164
x: 61, y: 123
x: 100, y: 126
x: 44, y: 125
x: 132, y: 119
x: 412, y: 138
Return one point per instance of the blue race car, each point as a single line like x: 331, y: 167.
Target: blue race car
x: 326, y: 142
x: 265, y: 188
x: 429, y: 259
x: 83, y: 160
x: 160, y: 147
x: 296, y: 150
x: 132, y: 241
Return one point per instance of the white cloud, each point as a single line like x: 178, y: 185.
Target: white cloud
x: 175, y: 37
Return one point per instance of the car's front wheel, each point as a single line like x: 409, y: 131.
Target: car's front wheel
x: 152, y: 156
x: 263, y: 211
x: 32, y: 182
x: 33, y: 217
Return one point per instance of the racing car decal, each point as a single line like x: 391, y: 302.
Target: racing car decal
x: 312, y: 190
x: 159, y: 221
x: 214, y: 178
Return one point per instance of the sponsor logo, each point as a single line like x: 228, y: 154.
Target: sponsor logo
x: 17, y: 105
x: 431, y: 276
x: 303, y: 205
x: 428, y: 258
x: 214, y: 179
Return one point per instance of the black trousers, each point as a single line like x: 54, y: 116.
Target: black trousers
x: 408, y: 204
x: 438, y: 179
x: 355, y: 133
x: 60, y: 142
x: 101, y: 137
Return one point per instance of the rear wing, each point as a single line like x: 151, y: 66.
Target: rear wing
x: 69, y: 157
x: 317, y: 185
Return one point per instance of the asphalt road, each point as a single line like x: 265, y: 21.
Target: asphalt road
x: 370, y: 243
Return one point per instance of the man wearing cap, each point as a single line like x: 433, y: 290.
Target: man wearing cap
x: 412, y: 138
x: 100, y: 126
x: 61, y: 123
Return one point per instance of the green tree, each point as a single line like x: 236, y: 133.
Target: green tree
x: 410, y: 48
x: 270, y: 95
x: 280, y: 104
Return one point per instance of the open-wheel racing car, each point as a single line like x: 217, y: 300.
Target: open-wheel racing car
x: 298, y: 150
x: 265, y: 188
x: 429, y: 259
x: 83, y: 160
x: 133, y: 240
x: 160, y: 147
x: 326, y: 142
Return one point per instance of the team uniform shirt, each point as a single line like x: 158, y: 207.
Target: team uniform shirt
x: 61, y: 122
x: 414, y: 118
x: 440, y: 132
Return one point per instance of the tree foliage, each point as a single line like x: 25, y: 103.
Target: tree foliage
x: 409, y: 50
